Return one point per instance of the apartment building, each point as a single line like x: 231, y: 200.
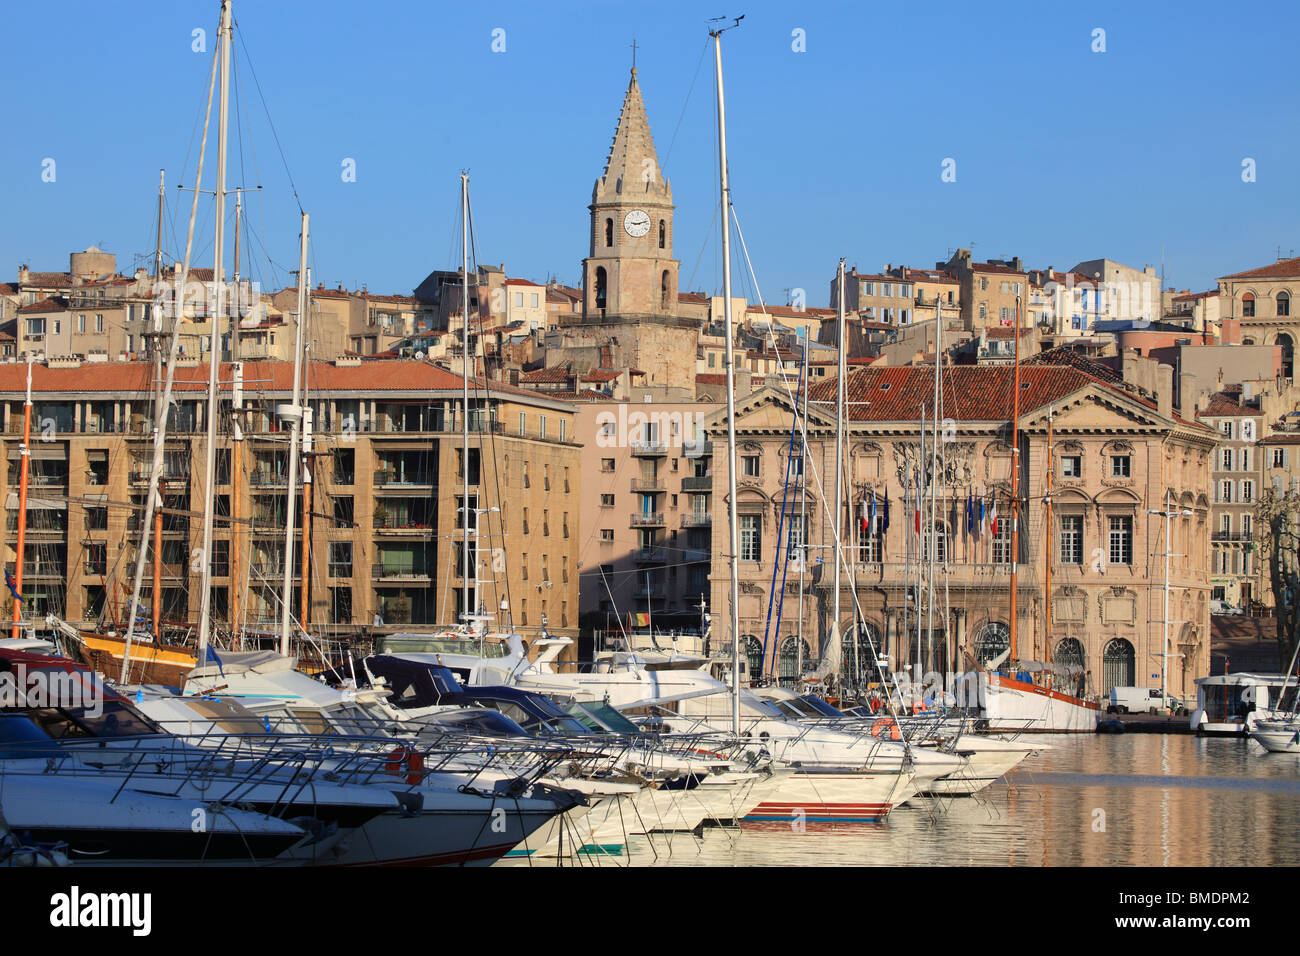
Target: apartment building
x: 1236, y: 477
x: 1259, y: 300
x: 385, y: 514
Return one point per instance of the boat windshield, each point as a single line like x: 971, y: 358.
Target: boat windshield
x: 491, y: 723
x: 356, y: 720
x: 795, y: 707
x: 820, y: 706
x: 601, y: 718
x: 21, y: 737
x: 419, y: 644
x: 109, y: 718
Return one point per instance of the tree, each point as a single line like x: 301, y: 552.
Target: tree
x: 1278, y: 521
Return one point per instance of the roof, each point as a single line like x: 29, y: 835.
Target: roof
x: 711, y: 379
x: 52, y: 303
x: 1186, y: 296
x: 1225, y: 403
x: 601, y: 375
x: 554, y: 374
x: 969, y: 392
x: 53, y: 279
x: 692, y: 297
x: 1282, y: 269
x: 269, y: 375
x: 523, y: 282
x: 1001, y: 270
x: 1063, y: 356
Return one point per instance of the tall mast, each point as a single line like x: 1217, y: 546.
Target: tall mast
x: 293, y: 412
x: 733, y: 530
x: 164, y: 401
x: 935, y: 471
x: 469, y: 575
x: 235, y: 313
x: 156, y: 348
x: 24, y: 455
x: 1050, y: 552
x: 837, y: 508
x: 1015, y: 481
x: 803, y: 505
x: 214, y: 339
x: 236, y: 488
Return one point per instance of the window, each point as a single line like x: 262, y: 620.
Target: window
x: 749, y: 466
x: 519, y: 300
x: 1121, y: 540
x: 607, y: 534
x: 1225, y: 491
x: 1072, y: 539
x: 81, y: 323
x: 541, y: 426
x: 99, y: 323
x: 341, y: 559
x: 1248, y: 306
x: 1244, y: 458
x: 1283, y: 303
x: 1226, y: 460
x: 940, y: 539
x: 1248, y: 491
x: 1002, y: 542
x: 609, y: 233
x: 663, y: 234
x: 1119, y: 466
x: 1279, y: 457
x: 607, y: 501
x: 96, y: 519
x: 1245, y: 526
x: 607, y: 464
x: 1072, y: 466
x: 983, y: 313
x: 751, y: 537
x: 984, y: 285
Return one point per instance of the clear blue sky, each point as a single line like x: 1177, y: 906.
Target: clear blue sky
x: 1062, y: 154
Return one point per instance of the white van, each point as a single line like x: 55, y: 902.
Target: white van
x: 1137, y: 700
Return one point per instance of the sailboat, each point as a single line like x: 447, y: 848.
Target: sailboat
x: 1019, y: 699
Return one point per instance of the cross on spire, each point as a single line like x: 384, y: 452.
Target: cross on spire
x: 634, y: 54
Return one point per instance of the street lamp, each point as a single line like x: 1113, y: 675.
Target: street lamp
x: 1167, y: 514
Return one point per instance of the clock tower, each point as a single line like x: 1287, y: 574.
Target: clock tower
x: 630, y: 271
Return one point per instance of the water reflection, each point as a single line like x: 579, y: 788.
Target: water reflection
x: 1121, y: 800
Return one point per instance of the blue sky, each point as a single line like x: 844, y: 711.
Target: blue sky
x: 1062, y: 154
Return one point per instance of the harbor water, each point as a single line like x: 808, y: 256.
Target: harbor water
x: 1092, y: 800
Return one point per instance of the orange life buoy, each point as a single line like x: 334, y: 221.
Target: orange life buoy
x: 406, y: 760
x: 875, y: 705
x: 886, y: 726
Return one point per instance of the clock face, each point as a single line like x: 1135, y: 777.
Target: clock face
x: 636, y: 223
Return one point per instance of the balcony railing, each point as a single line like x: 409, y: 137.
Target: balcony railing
x: 697, y: 483
x: 695, y: 554
x: 398, y: 571
x: 387, y: 476
x: 267, y: 479
x: 697, y: 519
x: 647, y: 519
x: 647, y: 484
x: 1232, y: 536
x: 649, y: 448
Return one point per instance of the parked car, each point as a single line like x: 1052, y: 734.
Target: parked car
x: 1143, y: 700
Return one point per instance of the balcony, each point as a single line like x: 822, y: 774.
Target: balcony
x: 392, y: 525
x: 397, y: 572
x: 647, y: 485
x: 650, y: 556
x: 698, y: 483
x: 267, y: 479
x: 647, y: 519
x: 1232, y: 536
x: 649, y: 449
x: 695, y: 554
x: 387, y: 477
x: 697, y: 449
x: 697, y: 519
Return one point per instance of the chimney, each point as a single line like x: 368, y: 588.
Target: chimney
x: 23, y: 275
x: 1165, y: 389
x: 1186, y: 400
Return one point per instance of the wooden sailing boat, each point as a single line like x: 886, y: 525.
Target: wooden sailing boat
x: 1015, y: 700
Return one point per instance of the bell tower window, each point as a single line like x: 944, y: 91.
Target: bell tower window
x: 663, y: 232
x: 663, y: 291
x: 609, y: 233
x: 600, y: 287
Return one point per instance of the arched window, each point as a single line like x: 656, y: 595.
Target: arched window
x: 991, y: 641
x: 1248, y: 305
x: 663, y: 233
x: 1288, y: 354
x: 600, y: 287
x: 940, y: 539
x: 1118, y: 665
x: 1284, y: 303
x: 858, y: 648
x: 663, y: 291
x: 790, y: 657
x: 609, y: 233
x: 754, y: 655
x: 1067, y: 663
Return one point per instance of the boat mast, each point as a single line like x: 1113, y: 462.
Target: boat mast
x: 1047, y: 503
x: 214, y: 344
x: 936, y: 469
x: 24, y: 455
x: 837, y: 509
x: 293, y: 412
x: 803, y: 506
x: 164, y: 402
x: 1015, y: 481
x: 469, y: 575
x: 157, y: 315
x: 732, y: 519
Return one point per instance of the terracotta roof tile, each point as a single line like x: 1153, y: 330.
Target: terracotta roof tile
x: 1283, y: 269
x: 52, y: 303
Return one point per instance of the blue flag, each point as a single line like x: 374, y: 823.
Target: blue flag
x: 884, y: 521
x: 13, y: 588
x: 210, y: 657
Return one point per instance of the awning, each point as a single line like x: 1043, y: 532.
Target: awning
x: 35, y: 504
x: 41, y: 450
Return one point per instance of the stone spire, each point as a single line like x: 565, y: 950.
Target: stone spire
x: 632, y: 170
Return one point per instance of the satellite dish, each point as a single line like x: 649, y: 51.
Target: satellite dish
x: 419, y: 356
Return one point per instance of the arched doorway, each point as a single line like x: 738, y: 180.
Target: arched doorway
x: 1118, y: 665
x: 790, y: 657
x: 858, y: 648
x: 1068, y: 666
x: 753, y: 649
x: 991, y: 640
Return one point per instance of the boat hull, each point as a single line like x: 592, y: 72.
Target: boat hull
x: 841, y: 795
x: 1014, y: 705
